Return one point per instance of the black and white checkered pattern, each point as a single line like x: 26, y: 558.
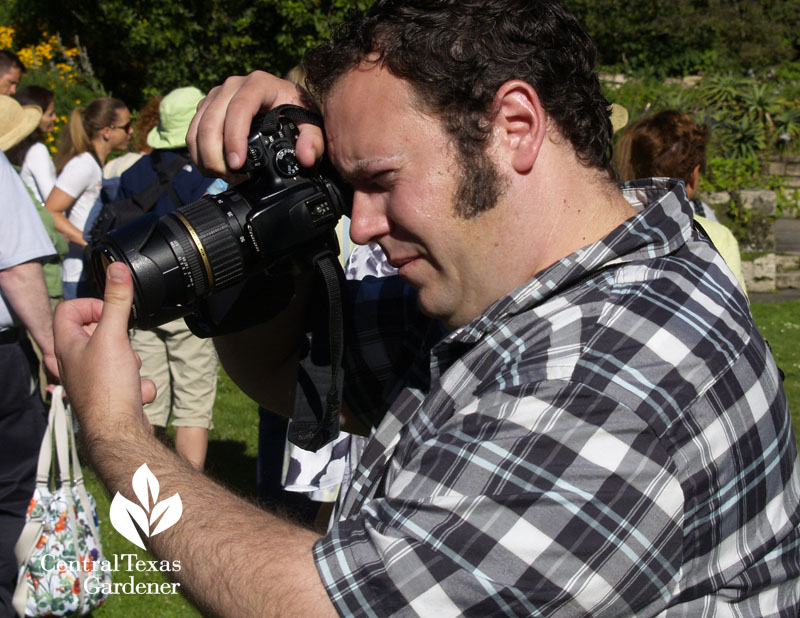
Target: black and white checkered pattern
x: 610, y: 439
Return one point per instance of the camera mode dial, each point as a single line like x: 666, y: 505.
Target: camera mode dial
x: 286, y: 162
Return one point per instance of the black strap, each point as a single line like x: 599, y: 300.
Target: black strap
x: 147, y: 198
x: 307, y: 430
x: 269, y: 122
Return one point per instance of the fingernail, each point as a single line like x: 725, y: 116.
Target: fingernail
x: 114, y: 272
x: 233, y: 161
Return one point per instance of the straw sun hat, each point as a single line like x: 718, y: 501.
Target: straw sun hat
x: 16, y: 121
x: 619, y: 116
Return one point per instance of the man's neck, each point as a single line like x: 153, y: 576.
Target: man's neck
x: 578, y: 206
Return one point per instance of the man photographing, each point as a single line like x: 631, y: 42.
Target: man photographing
x: 571, y: 411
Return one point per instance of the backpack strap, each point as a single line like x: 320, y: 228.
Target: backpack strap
x: 147, y: 198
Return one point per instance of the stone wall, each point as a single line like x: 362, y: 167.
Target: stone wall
x: 786, y: 166
x: 759, y: 206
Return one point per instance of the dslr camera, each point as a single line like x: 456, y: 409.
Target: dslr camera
x: 218, y: 241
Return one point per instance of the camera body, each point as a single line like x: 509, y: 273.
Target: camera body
x: 218, y: 241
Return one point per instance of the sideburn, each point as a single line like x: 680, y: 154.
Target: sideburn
x: 480, y: 185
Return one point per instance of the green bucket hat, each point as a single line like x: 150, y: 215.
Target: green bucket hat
x: 175, y: 114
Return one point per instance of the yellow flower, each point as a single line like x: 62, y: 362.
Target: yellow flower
x: 45, y: 50
x: 6, y: 37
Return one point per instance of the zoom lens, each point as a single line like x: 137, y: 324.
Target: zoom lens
x: 181, y: 257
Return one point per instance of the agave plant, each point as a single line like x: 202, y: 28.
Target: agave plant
x: 744, y: 139
x: 723, y: 92
x: 787, y: 129
x: 761, y: 101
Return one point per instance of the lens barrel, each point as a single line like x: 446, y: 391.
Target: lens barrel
x: 176, y: 259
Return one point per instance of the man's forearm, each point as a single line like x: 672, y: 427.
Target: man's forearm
x: 25, y: 290
x: 220, y: 532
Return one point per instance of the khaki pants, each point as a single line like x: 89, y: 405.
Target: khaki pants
x: 184, y: 369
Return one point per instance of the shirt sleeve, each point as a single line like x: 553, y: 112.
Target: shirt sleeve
x: 22, y: 235
x: 520, y: 506
x: 41, y: 168
x: 76, y: 176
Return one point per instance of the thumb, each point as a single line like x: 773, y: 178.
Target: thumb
x: 117, y: 299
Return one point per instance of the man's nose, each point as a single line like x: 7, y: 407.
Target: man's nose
x: 368, y: 221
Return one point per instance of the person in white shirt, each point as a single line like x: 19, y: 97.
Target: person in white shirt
x: 32, y: 157
x: 91, y: 134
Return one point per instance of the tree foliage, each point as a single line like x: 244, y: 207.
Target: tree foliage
x: 151, y: 46
x: 678, y: 37
x: 148, y: 46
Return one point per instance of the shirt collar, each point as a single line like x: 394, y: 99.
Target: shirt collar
x: 663, y: 224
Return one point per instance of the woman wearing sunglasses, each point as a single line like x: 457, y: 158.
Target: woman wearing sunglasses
x: 91, y: 134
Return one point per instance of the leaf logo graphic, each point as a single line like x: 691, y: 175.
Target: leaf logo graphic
x: 126, y: 515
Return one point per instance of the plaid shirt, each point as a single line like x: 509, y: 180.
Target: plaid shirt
x: 611, y: 439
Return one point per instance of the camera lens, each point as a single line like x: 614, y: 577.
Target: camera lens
x: 215, y: 242
x: 174, y: 260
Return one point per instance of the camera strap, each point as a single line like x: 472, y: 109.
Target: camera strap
x: 269, y: 123
x: 313, y: 425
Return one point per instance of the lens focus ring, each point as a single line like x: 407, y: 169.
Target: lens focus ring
x: 215, y: 246
x: 188, y: 254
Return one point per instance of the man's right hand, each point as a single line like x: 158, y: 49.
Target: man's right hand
x: 217, y: 136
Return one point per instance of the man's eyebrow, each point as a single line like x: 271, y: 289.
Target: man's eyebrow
x: 364, y: 168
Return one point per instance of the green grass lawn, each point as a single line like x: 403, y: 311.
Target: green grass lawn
x: 233, y: 443
x: 780, y: 325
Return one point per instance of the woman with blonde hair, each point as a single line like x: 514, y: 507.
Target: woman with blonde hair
x: 91, y: 134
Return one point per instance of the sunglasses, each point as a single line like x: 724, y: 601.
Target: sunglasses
x: 125, y: 127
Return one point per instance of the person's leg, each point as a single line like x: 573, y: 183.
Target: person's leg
x: 270, y: 461
x: 193, y: 369
x: 70, y: 289
x: 22, y: 423
x: 152, y: 349
x: 191, y: 443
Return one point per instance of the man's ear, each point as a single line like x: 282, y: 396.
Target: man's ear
x: 520, y: 123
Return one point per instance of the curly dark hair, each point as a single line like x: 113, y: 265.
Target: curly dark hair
x: 456, y: 54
